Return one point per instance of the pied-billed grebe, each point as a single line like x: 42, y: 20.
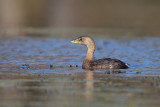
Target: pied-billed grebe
x: 89, y: 63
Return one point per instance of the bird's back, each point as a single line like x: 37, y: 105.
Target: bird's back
x: 107, y: 63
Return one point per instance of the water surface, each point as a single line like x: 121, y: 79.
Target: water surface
x: 47, y: 72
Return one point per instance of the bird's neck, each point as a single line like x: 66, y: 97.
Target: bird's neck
x: 90, y: 51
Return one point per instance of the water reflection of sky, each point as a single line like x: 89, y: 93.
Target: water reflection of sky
x: 142, y: 54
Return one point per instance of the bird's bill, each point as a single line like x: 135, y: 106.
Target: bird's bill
x: 74, y: 41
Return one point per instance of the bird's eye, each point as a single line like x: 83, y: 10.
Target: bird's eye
x: 80, y: 39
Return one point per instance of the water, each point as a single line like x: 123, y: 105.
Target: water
x: 47, y: 72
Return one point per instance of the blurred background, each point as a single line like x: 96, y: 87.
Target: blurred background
x: 69, y: 17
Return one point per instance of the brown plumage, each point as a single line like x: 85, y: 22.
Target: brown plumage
x: 89, y: 63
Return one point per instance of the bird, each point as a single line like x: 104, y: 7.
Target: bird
x: 90, y: 63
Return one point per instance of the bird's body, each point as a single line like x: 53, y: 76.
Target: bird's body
x: 89, y: 63
x: 106, y: 63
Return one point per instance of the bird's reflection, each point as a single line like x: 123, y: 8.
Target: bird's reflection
x: 89, y: 85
